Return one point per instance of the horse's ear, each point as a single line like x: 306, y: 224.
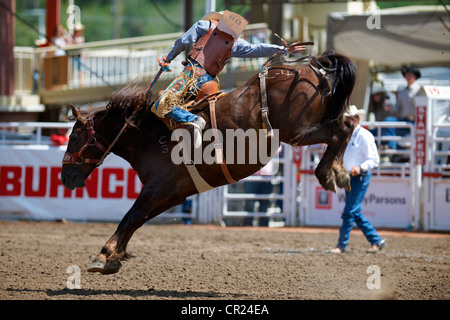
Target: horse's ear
x: 75, y: 111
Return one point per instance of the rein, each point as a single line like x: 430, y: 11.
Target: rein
x: 262, y: 83
x: 77, y: 157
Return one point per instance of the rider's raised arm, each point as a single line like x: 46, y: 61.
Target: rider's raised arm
x: 197, y: 30
x: 244, y: 49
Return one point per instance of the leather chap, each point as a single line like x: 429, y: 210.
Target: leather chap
x: 213, y: 50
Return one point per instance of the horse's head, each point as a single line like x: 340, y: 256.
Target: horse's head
x: 84, y: 153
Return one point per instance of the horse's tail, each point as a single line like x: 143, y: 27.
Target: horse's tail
x: 340, y: 79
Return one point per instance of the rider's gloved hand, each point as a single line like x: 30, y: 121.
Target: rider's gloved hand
x: 164, y: 63
x: 295, y: 49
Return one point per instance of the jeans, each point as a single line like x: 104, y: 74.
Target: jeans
x: 389, y: 132
x: 352, y: 212
x: 180, y: 115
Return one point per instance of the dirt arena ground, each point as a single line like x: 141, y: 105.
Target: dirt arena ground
x: 213, y: 263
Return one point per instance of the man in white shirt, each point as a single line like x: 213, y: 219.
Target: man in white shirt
x: 360, y: 157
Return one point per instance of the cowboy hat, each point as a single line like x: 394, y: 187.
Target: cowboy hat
x: 354, y: 111
x: 212, y: 16
x: 412, y: 70
x: 78, y: 26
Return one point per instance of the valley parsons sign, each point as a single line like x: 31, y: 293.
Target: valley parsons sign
x: 387, y: 203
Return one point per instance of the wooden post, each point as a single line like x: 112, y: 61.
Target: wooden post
x: 53, y: 17
x: 7, y: 34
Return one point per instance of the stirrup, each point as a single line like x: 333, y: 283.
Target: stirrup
x: 197, y: 133
x: 196, y: 123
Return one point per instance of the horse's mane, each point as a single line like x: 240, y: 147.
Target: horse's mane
x: 343, y: 73
x: 132, y: 99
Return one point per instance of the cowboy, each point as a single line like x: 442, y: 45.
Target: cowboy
x: 406, y: 105
x: 215, y: 39
x: 360, y: 157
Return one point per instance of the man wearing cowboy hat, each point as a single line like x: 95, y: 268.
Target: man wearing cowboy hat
x: 360, y: 157
x: 406, y: 104
x: 215, y: 40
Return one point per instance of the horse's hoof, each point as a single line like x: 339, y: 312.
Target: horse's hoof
x: 330, y: 185
x: 96, y: 266
x: 335, y: 190
x: 109, y: 267
x: 348, y: 188
x: 343, y: 181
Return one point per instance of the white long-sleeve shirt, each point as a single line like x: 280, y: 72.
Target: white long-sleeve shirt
x: 361, y: 151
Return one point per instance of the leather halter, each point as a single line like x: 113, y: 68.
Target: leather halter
x: 77, y: 157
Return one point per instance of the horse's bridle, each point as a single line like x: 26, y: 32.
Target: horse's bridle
x: 77, y: 157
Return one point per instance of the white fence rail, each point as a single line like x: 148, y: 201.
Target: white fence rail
x: 264, y: 200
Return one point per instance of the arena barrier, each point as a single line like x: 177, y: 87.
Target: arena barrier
x: 409, y: 189
x: 390, y: 200
x: 267, y: 198
x: 31, y: 188
x: 436, y: 170
x: 411, y: 186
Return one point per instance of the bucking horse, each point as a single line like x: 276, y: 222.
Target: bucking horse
x: 303, y: 103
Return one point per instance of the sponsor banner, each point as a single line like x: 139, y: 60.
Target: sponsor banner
x: 421, y: 130
x: 382, y: 206
x: 30, y: 187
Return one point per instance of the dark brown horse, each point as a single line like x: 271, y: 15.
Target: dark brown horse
x: 306, y: 104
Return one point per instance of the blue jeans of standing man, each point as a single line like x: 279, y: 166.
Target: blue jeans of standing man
x: 352, y: 212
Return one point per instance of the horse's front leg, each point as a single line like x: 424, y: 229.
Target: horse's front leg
x: 330, y: 171
x: 147, y: 206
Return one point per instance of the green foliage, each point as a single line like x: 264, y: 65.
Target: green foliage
x: 109, y: 19
x: 393, y: 4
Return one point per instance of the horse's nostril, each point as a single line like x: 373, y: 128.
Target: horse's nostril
x: 63, y: 180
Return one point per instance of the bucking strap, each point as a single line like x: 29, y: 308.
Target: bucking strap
x: 264, y: 106
x: 218, y: 147
x: 199, y: 182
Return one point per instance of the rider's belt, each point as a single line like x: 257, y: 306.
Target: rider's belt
x: 198, y: 71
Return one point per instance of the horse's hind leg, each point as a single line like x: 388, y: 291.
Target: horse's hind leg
x: 114, y: 250
x: 330, y: 171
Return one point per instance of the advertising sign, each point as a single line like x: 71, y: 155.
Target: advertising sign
x: 383, y: 207
x: 421, y: 130
x: 31, y: 187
